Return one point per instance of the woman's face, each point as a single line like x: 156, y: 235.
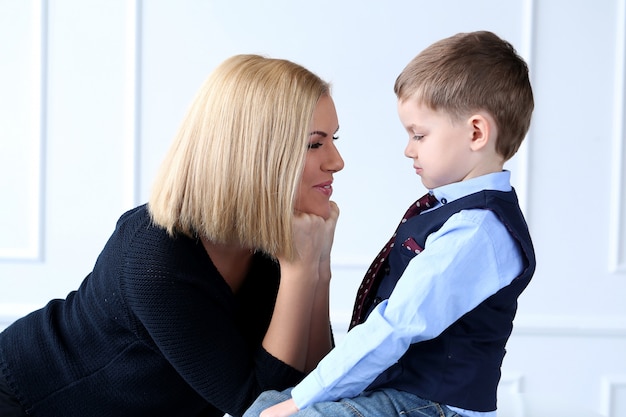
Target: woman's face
x: 322, y: 161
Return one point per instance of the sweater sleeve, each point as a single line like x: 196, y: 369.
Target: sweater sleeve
x: 182, y: 306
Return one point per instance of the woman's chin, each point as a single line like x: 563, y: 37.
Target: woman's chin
x: 323, y: 212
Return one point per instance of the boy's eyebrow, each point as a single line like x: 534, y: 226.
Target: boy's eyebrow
x: 322, y: 134
x: 414, y: 126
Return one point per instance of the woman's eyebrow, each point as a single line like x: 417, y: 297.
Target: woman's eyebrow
x: 323, y: 134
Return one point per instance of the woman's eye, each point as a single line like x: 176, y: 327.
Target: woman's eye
x: 335, y: 136
x: 315, y: 145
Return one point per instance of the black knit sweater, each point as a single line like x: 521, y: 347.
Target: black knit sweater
x: 154, y: 330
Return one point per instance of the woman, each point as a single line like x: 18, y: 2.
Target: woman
x: 217, y: 289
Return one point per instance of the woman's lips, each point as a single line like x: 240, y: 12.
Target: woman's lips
x: 325, y: 188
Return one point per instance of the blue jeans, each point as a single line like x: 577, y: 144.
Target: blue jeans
x: 380, y: 403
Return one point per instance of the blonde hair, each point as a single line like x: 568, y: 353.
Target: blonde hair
x: 474, y: 71
x: 232, y: 172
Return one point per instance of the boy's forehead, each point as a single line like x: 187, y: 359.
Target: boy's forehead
x: 416, y: 101
x: 413, y: 110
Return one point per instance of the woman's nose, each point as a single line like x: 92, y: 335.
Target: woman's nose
x: 334, y: 162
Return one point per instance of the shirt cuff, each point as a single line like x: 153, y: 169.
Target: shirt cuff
x: 303, y: 393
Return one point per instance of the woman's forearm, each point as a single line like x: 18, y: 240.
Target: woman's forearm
x: 289, y: 332
x: 320, y: 334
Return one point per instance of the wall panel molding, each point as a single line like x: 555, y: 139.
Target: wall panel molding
x: 525, y: 324
x: 23, y: 131
x: 9, y: 312
x: 510, y: 399
x: 575, y: 326
x: 617, y: 223
x: 132, y: 159
x: 539, y: 325
x: 614, y: 396
x: 523, y: 154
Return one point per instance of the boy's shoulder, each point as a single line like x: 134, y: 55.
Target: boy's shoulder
x: 497, y: 182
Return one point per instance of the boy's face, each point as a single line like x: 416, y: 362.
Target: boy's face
x: 440, y: 148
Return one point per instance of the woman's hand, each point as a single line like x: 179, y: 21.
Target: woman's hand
x: 313, y: 236
x: 284, y: 409
x: 329, y: 233
x: 308, y: 238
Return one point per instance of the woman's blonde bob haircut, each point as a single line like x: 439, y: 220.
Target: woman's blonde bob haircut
x: 233, y: 170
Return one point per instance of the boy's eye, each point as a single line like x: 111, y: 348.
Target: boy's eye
x: 418, y: 137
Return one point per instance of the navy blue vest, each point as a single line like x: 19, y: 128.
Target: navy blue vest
x: 460, y: 367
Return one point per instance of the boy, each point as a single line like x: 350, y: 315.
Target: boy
x: 430, y: 334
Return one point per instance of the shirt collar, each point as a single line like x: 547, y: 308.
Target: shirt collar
x: 498, y: 181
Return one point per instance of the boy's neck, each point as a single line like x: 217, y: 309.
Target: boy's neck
x: 484, y: 169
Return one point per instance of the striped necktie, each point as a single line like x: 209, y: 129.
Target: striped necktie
x: 373, y: 275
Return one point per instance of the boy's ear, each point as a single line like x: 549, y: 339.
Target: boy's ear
x: 483, y: 130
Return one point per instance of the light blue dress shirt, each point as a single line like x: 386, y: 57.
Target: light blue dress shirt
x: 471, y: 240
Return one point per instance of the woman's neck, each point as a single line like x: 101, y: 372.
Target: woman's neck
x: 231, y: 261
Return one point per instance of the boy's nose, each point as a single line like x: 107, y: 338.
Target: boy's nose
x: 409, y: 151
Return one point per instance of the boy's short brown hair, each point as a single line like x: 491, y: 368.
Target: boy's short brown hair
x: 469, y: 72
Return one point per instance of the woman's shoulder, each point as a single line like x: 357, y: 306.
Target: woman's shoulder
x: 142, y: 238
x: 138, y: 243
x: 136, y: 228
x: 139, y: 214
x: 147, y: 258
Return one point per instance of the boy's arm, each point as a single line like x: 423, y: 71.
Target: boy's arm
x: 437, y: 288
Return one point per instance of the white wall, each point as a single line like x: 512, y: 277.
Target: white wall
x: 92, y: 91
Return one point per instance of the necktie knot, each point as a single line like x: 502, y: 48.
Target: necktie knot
x: 425, y: 202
